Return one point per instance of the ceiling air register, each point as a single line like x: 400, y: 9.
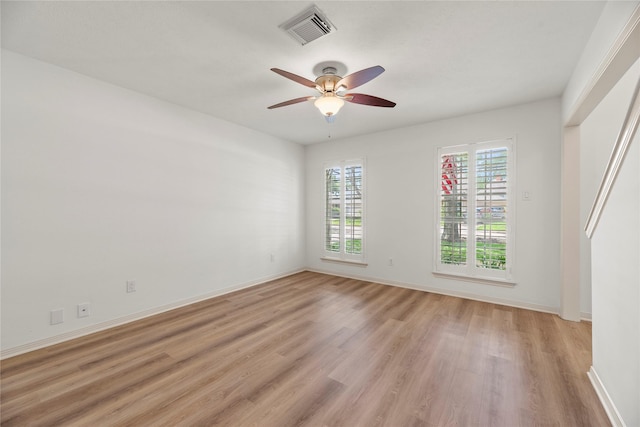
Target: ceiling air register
x: 308, y: 26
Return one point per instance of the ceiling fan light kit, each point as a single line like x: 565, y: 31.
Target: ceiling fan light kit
x: 329, y: 104
x: 332, y: 87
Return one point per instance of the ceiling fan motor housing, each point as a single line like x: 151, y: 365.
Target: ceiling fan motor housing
x: 328, y: 81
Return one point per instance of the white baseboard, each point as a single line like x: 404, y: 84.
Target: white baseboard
x: 448, y: 292
x: 77, y: 333
x: 584, y: 316
x: 605, y: 399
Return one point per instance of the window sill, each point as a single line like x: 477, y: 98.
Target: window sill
x: 344, y: 261
x: 476, y: 279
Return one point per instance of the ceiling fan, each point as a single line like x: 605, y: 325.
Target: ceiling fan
x: 332, y: 89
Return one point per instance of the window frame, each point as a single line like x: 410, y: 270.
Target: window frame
x: 470, y: 271
x: 342, y: 255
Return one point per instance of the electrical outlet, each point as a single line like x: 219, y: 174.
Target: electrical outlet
x: 131, y: 286
x: 390, y: 262
x: 273, y: 258
x: 84, y: 309
x: 57, y: 316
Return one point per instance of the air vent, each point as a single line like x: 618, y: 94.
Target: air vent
x: 308, y: 26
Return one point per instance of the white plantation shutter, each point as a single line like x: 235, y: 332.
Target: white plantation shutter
x: 474, y: 228
x: 353, y: 209
x: 344, y: 208
x: 453, y: 201
x: 491, y: 201
x: 333, y: 185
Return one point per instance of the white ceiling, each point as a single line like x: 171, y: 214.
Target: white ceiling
x: 442, y: 59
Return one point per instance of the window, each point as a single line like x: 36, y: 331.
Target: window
x: 475, y: 213
x: 343, y: 231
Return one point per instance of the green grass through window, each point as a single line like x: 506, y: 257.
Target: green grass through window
x: 488, y: 255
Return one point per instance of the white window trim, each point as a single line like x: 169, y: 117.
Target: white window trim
x: 342, y: 256
x: 470, y: 272
x: 344, y: 261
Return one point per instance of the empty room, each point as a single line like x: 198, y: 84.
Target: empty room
x: 340, y: 213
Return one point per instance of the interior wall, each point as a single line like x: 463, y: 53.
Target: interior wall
x: 401, y: 194
x: 101, y: 185
x: 615, y: 251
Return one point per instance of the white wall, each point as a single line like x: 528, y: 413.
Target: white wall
x: 400, y: 198
x: 101, y: 185
x: 615, y: 251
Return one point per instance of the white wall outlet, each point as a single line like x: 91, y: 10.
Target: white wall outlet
x: 84, y: 309
x: 57, y: 316
x: 390, y: 262
x: 526, y: 195
x: 131, y: 286
x: 273, y: 258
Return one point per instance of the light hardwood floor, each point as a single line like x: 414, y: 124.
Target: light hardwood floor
x: 314, y: 350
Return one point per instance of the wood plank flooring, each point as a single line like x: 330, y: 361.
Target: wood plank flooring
x: 314, y: 350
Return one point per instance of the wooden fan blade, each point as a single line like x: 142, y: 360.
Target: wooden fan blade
x: 292, y: 101
x: 374, y: 101
x: 359, y: 78
x: 296, y: 78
